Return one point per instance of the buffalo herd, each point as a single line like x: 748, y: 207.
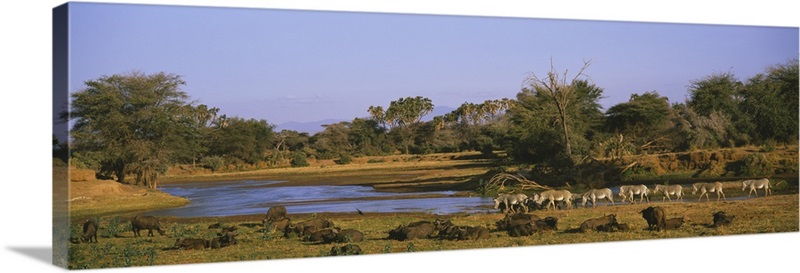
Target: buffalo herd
x: 324, y: 231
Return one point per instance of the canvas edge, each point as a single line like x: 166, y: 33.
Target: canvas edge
x: 61, y: 230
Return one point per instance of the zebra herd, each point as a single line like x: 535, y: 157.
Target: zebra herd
x: 519, y: 202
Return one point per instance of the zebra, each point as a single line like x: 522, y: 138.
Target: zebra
x: 668, y: 190
x: 555, y: 195
x: 705, y: 188
x: 594, y: 194
x: 757, y: 184
x: 509, y: 200
x: 627, y: 191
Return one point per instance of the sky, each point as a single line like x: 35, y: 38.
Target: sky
x: 304, y: 66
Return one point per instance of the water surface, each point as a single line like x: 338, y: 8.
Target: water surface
x: 256, y: 197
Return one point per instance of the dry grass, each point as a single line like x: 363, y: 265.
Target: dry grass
x: 777, y: 213
x: 409, y: 170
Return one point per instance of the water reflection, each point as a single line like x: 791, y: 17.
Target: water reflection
x: 255, y: 197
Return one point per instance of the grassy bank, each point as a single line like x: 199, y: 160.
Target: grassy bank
x: 410, y: 171
x: 777, y: 213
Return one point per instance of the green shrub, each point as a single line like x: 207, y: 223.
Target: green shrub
x: 114, y: 228
x: 344, y: 160
x: 376, y: 161
x: 411, y: 248
x: 215, y: 163
x: 299, y: 159
x: 754, y: 165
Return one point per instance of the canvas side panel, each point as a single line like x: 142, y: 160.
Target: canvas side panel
x: 60, y: 133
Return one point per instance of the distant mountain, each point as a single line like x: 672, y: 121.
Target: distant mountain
x: 311, y: 127
x: 438, y: 111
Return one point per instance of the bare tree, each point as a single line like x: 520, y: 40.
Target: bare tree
x: 562, y: 94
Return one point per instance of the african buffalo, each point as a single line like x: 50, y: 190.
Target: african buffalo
x: 348, y: 236
x: 452, y: 232
x: 722, y: 219
x: 656, y: 217
x: 190, y: 243
x: 326, y: 235
x: 281, y: 225
x: 89, y: 231
x: 599, y: 224
x: 548, y: 223
x: 415, y: 230
x: 673, y: 223
x: 149, y: 223
x: 213, y: 243
x: 227, y: 238
x: 274, y: 214
x: 305, y: 228
x: 516, y: 219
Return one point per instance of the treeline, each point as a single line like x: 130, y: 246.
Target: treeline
x: 140, y: 125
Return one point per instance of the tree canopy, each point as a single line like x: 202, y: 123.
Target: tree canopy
x: 131, y: 123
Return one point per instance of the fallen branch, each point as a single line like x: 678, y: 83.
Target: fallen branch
x: 499, y: 180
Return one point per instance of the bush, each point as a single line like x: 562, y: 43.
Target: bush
x: 114, y: 228
x: 215, y: 163
x: 344, y: 160
x: 754, y: 165
x: 299, y: 159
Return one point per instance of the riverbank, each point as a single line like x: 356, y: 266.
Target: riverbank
x: 410, y: 173
x: 93, y: 197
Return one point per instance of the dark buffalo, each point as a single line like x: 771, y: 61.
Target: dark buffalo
x: 274, y: 214
x: 326, y: 235
x: 722, y: 219
x: 674, y: 223
x: 548, y: 223
x: 307, y: 227
x: 599, y: 224
x: 349, y: 249
x: 149, y: 223
x: 191, y: 243
x: 227, y: 238
x: 526, y: 229
x: 415, y: 230
x: 469, y: 233
x: 349, y: 236
x: 213, y: 243
x: 89, y: 231
x: 656, y: 218
x: 281, y: 225
x: 449, y: 231
x: 516, y: 219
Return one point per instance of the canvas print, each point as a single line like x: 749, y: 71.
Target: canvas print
x: 203, y: 134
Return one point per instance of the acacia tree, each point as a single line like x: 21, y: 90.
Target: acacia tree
x: 771, y: 100
x: 566, y: 98
x: 131, y: 123
x: 642, y: 119
x: 405, y: 115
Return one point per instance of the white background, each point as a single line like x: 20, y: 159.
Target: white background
x: 25, y: 127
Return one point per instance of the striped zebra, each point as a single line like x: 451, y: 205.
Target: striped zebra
x: 705, y: 188
x: 762, y: 183
x: 555, y: 195
x: 627, y: 192
x: 509, y: 200
x: 668, y: 190
x: 594, y: 194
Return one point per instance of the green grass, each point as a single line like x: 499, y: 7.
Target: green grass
x: 778, y: 213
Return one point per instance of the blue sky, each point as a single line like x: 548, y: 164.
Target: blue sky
x: 284, y: 65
